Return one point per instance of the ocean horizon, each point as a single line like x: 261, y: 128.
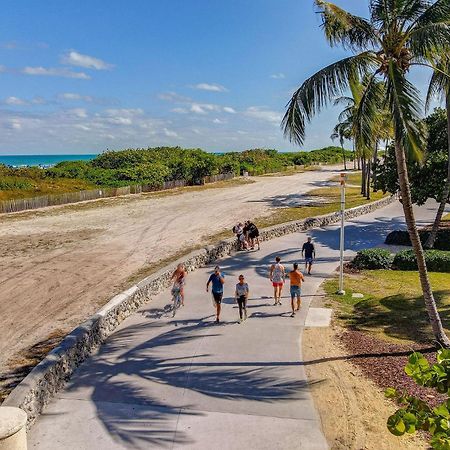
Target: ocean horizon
x: 42, y: 160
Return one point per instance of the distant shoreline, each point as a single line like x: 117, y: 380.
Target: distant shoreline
x: 42, y: 160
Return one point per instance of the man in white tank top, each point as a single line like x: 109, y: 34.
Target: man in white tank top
x: 277, y: 275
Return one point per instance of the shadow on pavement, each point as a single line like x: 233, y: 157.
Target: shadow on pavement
x: 123, y: 379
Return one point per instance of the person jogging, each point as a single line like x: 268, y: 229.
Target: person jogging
x: 179, y: 280
x: 241, y: 297
x: 309, y: 252
x: 277, y: 275
x: 296, y: 279
x: 217, y: 279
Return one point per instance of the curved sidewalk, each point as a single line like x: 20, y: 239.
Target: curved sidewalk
x: 187, y: 382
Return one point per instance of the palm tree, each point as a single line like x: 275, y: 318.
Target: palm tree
x: 440, y: 84
x: 398, y: 35
x: 342, y: 131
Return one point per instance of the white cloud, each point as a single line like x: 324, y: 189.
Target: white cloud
x: 78, y: 112
x: 74, y: 58
x: 278, y: 76
x: 170, y: 133
x: 75, y: 97
x: 262, y: 113
x: 15, y: 101
x: 180, y: 110
x: 54, y: 72
x: 218, y: 121
x: 229, y: 110
x: 212, y: 87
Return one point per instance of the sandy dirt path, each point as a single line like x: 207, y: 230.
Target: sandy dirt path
x: 57, y: 268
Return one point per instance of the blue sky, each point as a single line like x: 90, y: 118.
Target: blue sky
x: 83, y: 76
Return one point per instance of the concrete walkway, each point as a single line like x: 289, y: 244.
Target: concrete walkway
x: 187, y: 382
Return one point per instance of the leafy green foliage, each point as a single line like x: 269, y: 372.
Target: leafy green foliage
x: 373, y: 258
x: 415, y: 414
x: 427, y: 178
x: 154, y: 166
x: 437, y: 260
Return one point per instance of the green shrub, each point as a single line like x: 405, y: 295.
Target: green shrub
x: 401, y: 237
x: 373, y: 258
x: 10, y: 183
x: 437, y: 260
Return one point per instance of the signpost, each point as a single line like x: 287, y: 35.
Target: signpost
x: 343, y: 177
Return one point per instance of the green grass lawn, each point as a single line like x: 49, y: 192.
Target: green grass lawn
x: 353, y: 178
x: 328, y: 201
x: 393, y: 306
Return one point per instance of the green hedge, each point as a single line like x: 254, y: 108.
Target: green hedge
x: 437, y: 260
x: 373, y: 258
x: 401, y: 237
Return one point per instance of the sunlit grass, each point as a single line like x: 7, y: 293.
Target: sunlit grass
x: 393, y: 307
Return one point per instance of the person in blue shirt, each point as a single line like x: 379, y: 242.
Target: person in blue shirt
x: 217, y: 279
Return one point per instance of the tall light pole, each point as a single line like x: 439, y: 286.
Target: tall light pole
x: 341, y: 291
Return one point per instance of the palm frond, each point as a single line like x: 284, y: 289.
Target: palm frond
x: 440, y: 81
x: 429, y: 41
x: 319, y: 90
x: 405, y: 106
x: 341, y: 27
x: 367, y: 116
x: 438, y: 12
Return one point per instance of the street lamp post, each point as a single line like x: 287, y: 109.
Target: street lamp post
x: 341, y: 291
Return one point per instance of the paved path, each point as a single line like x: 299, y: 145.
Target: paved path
x: 188, y: 383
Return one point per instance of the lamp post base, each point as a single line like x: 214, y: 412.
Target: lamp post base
x: 341, y: 292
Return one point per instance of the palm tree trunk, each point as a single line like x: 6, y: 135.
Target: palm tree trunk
x: 354, y: 156
x: 363, y: 177
x: 405, y: 191
x: 445, y: 194
x: 368, y: 177
x: 343, y: 157
x: 375, y: 159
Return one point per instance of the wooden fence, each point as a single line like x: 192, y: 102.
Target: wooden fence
x: 23, y: 204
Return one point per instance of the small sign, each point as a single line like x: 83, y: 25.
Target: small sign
x: 343, y: 178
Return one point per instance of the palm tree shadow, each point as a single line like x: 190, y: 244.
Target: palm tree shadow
x: 128, y: 380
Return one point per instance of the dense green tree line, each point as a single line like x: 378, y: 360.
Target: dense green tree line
x: 153, y: 166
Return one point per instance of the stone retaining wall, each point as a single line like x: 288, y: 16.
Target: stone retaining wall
x: 50, y: 375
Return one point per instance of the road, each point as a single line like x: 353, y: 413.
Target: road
x: 60, y: 266
x: 187, y: 382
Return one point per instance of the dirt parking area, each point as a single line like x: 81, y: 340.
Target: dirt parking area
x: 60, y: 265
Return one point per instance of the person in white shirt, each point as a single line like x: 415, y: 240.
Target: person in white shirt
x: 241, y: 297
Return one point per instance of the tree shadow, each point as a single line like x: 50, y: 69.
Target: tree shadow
x: 131, y: 373
x: 398, y: 316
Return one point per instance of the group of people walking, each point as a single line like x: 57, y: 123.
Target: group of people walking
x: 247, y: 235
x: 277, y: 276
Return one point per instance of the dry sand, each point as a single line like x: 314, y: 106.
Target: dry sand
x: 60, y: 265
x: 353, y: 410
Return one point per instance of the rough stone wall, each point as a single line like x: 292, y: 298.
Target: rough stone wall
x: 50, y: 375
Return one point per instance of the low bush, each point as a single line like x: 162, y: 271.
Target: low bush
x: 437, y: 260
x: 373, y: 258
x: 402, y: 238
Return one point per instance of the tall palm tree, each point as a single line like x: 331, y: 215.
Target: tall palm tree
x: 398, y: 35
x: 342, y: 131
x: 440, y: 84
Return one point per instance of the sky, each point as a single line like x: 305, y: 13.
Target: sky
x: 86, y: 76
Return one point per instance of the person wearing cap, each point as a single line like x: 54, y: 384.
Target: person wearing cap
x: 217, y: 279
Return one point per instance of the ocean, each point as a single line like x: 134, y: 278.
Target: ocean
x: 41, y: 160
